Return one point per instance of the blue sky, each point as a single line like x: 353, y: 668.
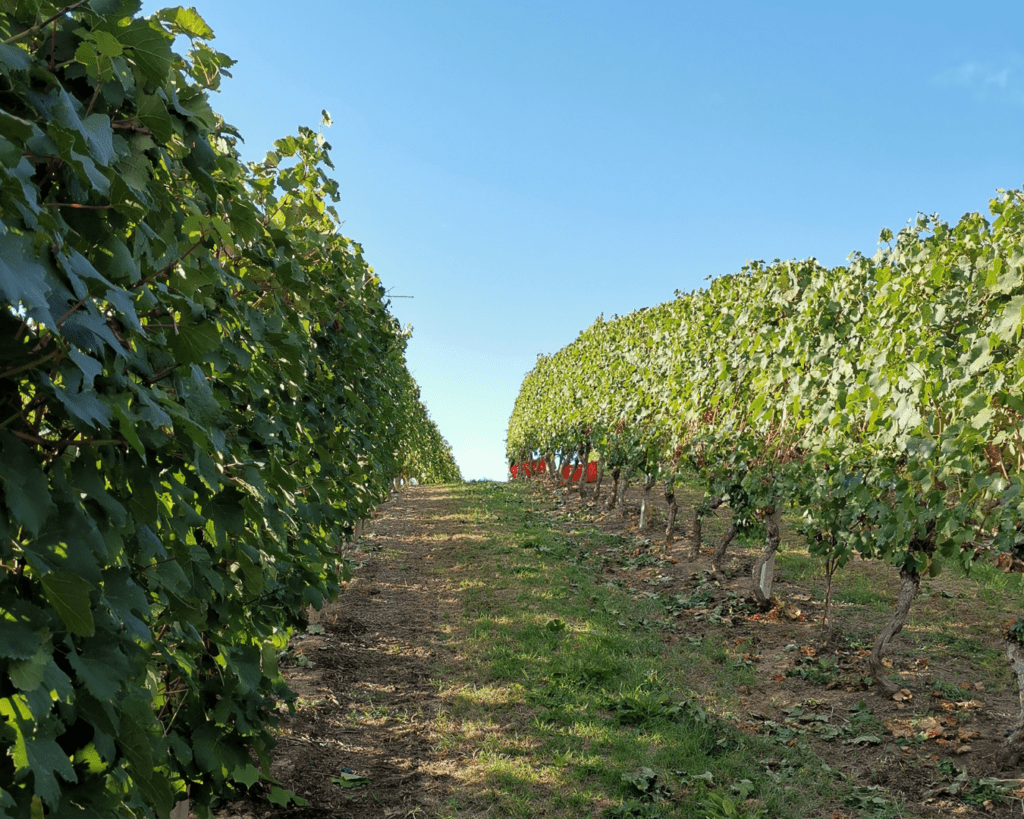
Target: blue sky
x: 520, y: 168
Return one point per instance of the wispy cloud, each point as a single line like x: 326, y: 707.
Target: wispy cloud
x: 1000, y: 78
x: 987, y: 81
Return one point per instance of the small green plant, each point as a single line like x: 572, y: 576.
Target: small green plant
x: 641, y: 707
x: 635, y: 809
x: 348, y: 779
x: 820, y: 671
x: 949, y: 690
x: 645, y: 790
x: 870, y: 801
x: 860, y: 728
x: 718, y: 805
x: 699, y: 598
x: 645, y: 785
x: 861, y: 718
x: 978, y: 792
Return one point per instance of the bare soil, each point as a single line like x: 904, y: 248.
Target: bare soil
x: 367, y: 686
x: 366, y: 699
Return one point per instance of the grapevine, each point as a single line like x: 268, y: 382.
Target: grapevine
x: 880, y: 401
x: 202, y: 393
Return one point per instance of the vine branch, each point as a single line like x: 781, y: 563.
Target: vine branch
x: 30, y: 32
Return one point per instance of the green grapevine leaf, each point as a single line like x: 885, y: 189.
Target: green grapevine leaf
x: 13, y: 58
x: 69, y: 595
x: 187, y: 22
x: 27, y: 675
x: 348, y: 780
x: 18, y: 640
x: 150, y: 48
x: 25, y: 491
x: 248, y: 775
x: 153, y: 113
x: 282, y: 797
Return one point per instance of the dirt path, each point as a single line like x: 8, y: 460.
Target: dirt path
x: 359, y: 744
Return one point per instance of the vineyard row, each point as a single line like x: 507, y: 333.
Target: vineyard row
x: 881, y: 401
x: 202, y: 395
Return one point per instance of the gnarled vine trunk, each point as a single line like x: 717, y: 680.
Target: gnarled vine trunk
x: 620, y: 500
x: 584, y: 462
x: 613, y: 498
x: 763, y: 570
x: 696, y: 533
x: 600, y: 477
x: 556, y: 473
x: 828, y: 618
x: 673, y: 510
x: 549, y: 461
x: 645, y: 503
x: 910, y: 586
x: 698, y: 525
x: 723, y: 544
x: 1013, y: 753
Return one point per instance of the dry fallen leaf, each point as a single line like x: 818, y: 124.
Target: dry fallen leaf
x: 900, y: 729
x: 903, y: 695
x: 963, y: 705
x: 930, y: 727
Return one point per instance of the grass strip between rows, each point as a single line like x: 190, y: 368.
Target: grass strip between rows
x: 565, y: 700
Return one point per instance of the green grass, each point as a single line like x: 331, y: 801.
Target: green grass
x: 566, y: 702
x: 995, y: 587
x: 857, y: 590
